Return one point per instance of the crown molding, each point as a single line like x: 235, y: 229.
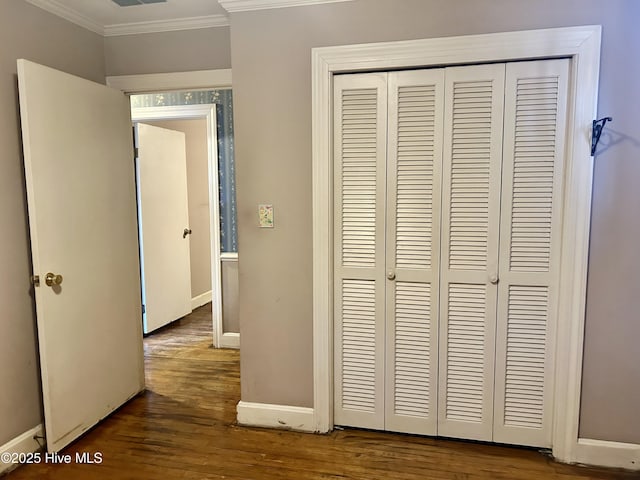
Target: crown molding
x: 232, y: 6
x: 52, y: 6
x: 190, y: 23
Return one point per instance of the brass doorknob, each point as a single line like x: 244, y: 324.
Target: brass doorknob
x: 51, y: 279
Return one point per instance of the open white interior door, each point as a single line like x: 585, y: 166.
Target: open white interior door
x: 161, y: 169
x: 78, y: 156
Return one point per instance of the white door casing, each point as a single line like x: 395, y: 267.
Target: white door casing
x: 171, y: 81
x: 163, y: 219
x: 81, y: 201
x: 208, y: 112
x: 582, y: 45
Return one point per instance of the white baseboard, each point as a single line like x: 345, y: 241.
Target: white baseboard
x: 201, y: 299
x: 230, y: 340
x: 276, y: 416
x: 608, y: 454
x: 25, y: 443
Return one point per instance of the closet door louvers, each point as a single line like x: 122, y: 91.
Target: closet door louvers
x: 470, y: 229
x: 360, y: 130
x: 413, y: 250
x: 535, y: 111
x: 446, y: 249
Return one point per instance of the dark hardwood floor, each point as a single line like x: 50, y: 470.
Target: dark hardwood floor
x: 183, y: 427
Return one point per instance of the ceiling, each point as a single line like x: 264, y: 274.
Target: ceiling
x: 107, y: 18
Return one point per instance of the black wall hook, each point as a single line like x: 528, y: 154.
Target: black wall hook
x: 598, y: 125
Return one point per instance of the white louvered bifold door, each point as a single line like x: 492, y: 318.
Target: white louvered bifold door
x: 413, y: 224
x: 535, y: 111
x: 360, y: 132
x: 470, y: 231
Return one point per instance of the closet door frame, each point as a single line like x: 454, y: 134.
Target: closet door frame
x: 582, y: 46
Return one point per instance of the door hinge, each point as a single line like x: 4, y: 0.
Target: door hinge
x: 144, y: 309
x: 135, y: 152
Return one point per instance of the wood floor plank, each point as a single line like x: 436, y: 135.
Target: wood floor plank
x: 183, y: 427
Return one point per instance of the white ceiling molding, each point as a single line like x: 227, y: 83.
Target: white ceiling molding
x: 58, y: 8
x: 52, y: 6
x: 247, y: 5
x: 166, y: 25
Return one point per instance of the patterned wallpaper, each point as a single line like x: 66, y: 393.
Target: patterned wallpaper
x: 223, y: 99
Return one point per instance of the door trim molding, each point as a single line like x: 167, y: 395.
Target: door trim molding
x: 208, y: 112
x: 582, y: 45
x: 156, y: 82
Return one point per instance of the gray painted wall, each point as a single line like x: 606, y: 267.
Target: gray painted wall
x: 195, y: 131
x: 271, y: 56
x: 26, y: 32
x: 181, y: 51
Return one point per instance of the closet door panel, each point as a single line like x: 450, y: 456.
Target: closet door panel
x: 469, y: 251
x: 360, y: 130
x: 535, y: 116
x: 413, y: 249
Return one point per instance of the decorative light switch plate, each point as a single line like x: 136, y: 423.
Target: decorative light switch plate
x: 265, y: 216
